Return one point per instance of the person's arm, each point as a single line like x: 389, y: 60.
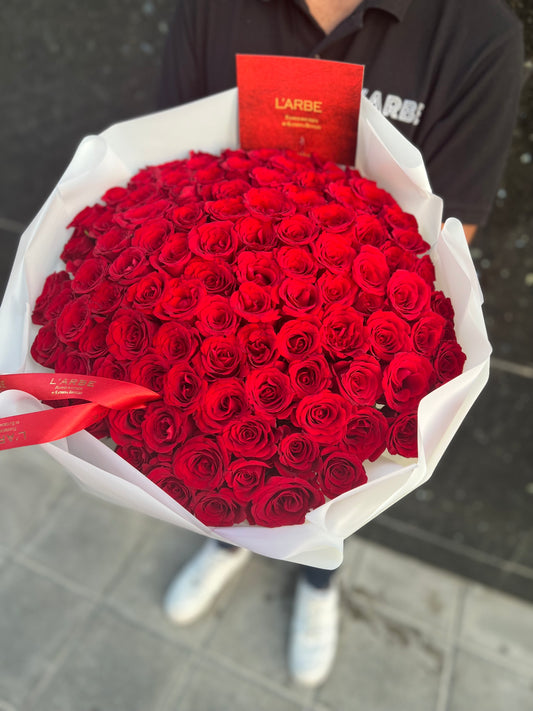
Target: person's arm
x: 470, y: 231
x: 466, y: 147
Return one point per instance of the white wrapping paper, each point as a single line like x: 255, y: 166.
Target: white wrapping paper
x: 110, y: 159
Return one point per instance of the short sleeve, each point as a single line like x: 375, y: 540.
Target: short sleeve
x: 466, y: 148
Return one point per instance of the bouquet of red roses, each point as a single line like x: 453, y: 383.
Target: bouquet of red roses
x: 285, y: 312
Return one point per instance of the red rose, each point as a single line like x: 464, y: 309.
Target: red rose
x: 343, y: 332
x: 373, y: 197
x: 298, y: 456
x: 341, y: 472
x: 442, y: 305
x: 298, y: 338
x: 180, y: 300
x: 164, y: 427
x: 135, y: 455
x: 229, y: 188
x: 245, y: 477
x: 333, y: 217
x: 303, y: 198
x: 409, y: 294
x: 226, y: 208
x: 410, y: 239
x: 54, y: 285
x: 183, y: 387
x: 92, y: 341
x: 269, y: 392
x: 365, y: 433
x: 78, y: 247
x: 201, y: 463
x: 255, y: 233
x: 297, y: 262
x: 185, y: 217
x: 259, y: 343
x: 260, y: 267
x: 296, y: 230
x: 147, y: 292
x: 370, y: 270
x: 222, y: 357
x: 267, y: 203
x: 108, y: 367
x: 299, y: 297
x: 251, y: 436
x: 173, y: 256
x: 449, y: 361
x: 265, y: 176
x: 129, y: 266
x: 73, y: 320
x: 58, y: 302
x: 125, y: 426
x: 171, y: 485
x: 129, y: 334
x: 72, y: 362
x: 337, y: 289
x: 399, y: 258
x: 309, y: 375
x: 149, y: 370
x: 151, y: 235
x: 176, y: 342
x: 214, y: 240
x: 402, y: 435
x: 395, y: 217
x: 216, y: 276
x: 216, y: 317
x: 427, y: 333
x: 369, y: 230
x: 142, y: 213
x: 254, y: 302
x: 284, y: 501
x: 218, y: 508
x: 45, y: 347
x: 334, y: 252
x: 406, y: 380
x: 223, y: 402
x: 426, y: 269
x: 323, y: 416
x: 388, y: 334
x: 106, y: 298
x: 361, y: 380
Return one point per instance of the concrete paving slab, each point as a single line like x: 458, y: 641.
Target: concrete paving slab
x: 252, y: 631
x: 499, y: 625
x: 37, y: 617
x: 30, y: 483
x: 215, y: 688
x: 87, y: 540
x: 139, y: 591
x: 479, y: 684
x: 382, y: 664
x: 425, y: 596
x: 112, y: 665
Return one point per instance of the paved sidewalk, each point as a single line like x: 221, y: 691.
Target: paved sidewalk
x: 81, y: 625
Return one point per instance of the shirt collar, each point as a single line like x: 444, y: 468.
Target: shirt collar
x: 398, y: 8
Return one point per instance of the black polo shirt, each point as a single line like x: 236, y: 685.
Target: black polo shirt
x: 447, y: 73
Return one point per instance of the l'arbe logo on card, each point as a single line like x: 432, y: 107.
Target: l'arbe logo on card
x: 306, y: 105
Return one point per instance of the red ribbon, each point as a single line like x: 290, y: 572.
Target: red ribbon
x: 102, y: 394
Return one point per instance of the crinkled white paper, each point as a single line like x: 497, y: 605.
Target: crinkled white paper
x: 110, y: 159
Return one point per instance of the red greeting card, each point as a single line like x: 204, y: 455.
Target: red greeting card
x: 306, y: 105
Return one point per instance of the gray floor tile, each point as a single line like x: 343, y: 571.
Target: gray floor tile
x: 481, y: 685
x: 213, y: 688
x: 425, y: 595
x: 87, y: 540
x: 30, y: 481
x: 382, y: 664
x: 499, y: 624
x: 140, y: 590
x: 115, y: 666
x: 37, y: 616
x: 254, y: 622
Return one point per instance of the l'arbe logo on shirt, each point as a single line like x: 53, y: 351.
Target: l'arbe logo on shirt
x: 396, y: 108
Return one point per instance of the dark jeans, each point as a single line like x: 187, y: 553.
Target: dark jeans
x: 317, y: 577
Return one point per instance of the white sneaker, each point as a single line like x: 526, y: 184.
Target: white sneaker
x: 196, y: 586
x: 314, y: 633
